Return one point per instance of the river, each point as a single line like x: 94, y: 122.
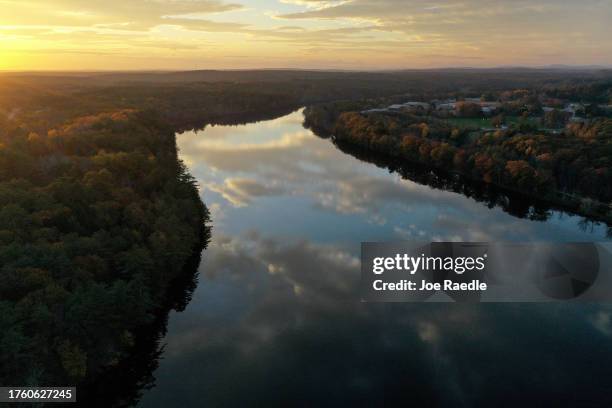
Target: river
x: 276, y: 318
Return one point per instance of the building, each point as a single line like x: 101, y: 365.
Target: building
x: 421, y: 106
x: 446, y: 106
x: 417, y: 105
x: 375, y: 110
x: 488, y: 110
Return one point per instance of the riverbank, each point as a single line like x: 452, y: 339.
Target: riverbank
x: 529, y: 165
x: 98, y: 218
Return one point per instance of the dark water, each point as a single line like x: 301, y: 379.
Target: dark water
x: 276, y: 318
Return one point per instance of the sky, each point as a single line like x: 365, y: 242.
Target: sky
x: 314, y: 34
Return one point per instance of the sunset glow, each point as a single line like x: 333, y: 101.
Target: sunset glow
x: 345, y: 34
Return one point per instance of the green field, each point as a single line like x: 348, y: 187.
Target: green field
x: 511, y: 120
x: 470, y: 122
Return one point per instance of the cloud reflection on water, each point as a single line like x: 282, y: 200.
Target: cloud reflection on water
x: 277, y: 315
x: 244, y: 165
x: 285, y: 319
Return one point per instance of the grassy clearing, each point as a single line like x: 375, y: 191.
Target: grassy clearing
x: 513, y: 120
x: 470, y: 122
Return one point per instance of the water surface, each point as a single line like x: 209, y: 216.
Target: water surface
x: 276, y: 318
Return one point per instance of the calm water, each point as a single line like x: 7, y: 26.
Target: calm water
x: 276, y: 320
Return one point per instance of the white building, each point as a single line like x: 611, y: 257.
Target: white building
x: 446, y: 106
x: 421, y: 105
x: 400, y: 106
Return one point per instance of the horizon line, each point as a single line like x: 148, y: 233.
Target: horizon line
x: 557, y: 67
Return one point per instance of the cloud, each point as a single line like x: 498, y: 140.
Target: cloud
x: 602, y: 321
x: 420, y: 10
x: 111, y: 29
x: 241, y: 191
x: 345, y: 33
x: 478, y: 27
x: 139, y: 15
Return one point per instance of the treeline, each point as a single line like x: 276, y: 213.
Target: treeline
x: 574, y: 166
x: 97, y: 218
x: 526, y: 101
x: 193, y: 99
x: 182, y: 104
x: 514, y: 203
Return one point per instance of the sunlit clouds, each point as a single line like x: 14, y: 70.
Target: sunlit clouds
x: 346, y: 34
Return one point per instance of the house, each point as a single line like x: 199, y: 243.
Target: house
x: 447, y: 106
x: 375, y: 110
x: 417, y: 105
x: 573, y: 108
x: 488, y: 110
x: 409, y: 105
x: 399, y: 106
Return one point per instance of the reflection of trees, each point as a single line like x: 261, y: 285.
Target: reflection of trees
x: 236, y: 118
x: 124, y: 384
x: 513, y: 203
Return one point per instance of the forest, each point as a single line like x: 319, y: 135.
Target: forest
x: 571, y: 164
x: 98, y: 216
x: 187, y: 100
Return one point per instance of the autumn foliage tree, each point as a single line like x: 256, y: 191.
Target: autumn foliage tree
x: 97, y: 216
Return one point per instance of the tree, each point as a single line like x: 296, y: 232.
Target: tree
x: 555, y: 118
x: 521, y: 174
x: 468, y: 110
x: 498, y: 120
x: 488, y: 97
